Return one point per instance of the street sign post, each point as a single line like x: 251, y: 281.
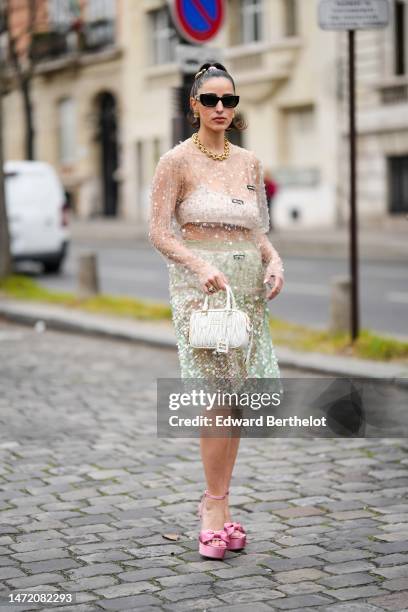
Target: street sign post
x: 198, y: 21
x: 190, y: 58
x: 353, y: 15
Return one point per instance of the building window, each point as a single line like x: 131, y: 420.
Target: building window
x: 67, y: 131
x: 4, y: 45
x: 400, y: 34
x: 299, y: 143
x: 100, y: 18
x: 251, y: 20
x: 62, y: 13
x: 3, y: 21
x: 398, y: 183
x: 164, y: 38
x: 290, y: 17
x: 97, y: 10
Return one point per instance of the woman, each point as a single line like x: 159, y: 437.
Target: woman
x: 209, y: 218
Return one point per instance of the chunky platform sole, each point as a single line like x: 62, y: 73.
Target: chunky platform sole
x: 236, y: 543
x: 212, y: 552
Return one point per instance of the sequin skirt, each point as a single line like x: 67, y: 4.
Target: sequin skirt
x: 241, y: 263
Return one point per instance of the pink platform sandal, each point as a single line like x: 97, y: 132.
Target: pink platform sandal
x: 206, y: 536
x: 237, y: 541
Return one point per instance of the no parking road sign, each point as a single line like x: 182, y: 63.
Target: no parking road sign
x: 197, y: 20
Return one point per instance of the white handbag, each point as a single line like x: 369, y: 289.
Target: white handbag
x: 221, y: 328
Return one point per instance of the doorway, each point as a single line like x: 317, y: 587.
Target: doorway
x: 108, y: 152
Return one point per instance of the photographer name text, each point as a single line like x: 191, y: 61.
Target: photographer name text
x: 269, y: 420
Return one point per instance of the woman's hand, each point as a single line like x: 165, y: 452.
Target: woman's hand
x: 273, y: 276
x: 211, y: 279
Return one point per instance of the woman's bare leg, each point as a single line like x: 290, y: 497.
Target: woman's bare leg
x: 231, y: 458
x: 214, y: 454
x: 218, y: 457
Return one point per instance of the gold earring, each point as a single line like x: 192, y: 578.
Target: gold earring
x: 196, y: 114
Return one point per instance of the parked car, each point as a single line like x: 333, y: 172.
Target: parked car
x: 38, y: 213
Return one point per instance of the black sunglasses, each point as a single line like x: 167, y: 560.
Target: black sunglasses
x: 210, y: 99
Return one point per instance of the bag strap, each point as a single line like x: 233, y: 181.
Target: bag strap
x: 231, y: 302
x: 222, y: 345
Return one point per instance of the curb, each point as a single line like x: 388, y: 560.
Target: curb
x: 161, y: 335
x: 63, y: 319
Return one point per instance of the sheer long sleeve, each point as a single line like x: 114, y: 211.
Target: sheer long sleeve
x: 269, y: 254
x: 166, y: 188
x: 264, y: 221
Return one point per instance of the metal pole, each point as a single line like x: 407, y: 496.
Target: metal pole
x: 353, y: 195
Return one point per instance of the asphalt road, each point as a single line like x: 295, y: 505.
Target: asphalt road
x: 135, y: 269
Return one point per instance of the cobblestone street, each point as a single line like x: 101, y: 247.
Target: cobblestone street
x: 87, y: 491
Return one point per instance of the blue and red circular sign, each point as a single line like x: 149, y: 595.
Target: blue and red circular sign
x: 198, y: 20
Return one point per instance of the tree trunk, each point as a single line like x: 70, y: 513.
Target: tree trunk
x: 24, y: 76
x: 29, y: 123
x: 5, y: 258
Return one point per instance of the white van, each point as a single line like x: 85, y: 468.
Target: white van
x: 37, y: 213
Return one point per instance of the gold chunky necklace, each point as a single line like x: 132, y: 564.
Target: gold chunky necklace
x: 217, y: 156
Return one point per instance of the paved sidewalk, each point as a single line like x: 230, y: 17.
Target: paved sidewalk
x: 88, y: 494
x: 161, y: 334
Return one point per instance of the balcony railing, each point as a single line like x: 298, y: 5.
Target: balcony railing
x: 88, y: 37
x: 99, y: 34
x: 48, y: 45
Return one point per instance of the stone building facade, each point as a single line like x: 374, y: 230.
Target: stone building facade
x: 381, y: 121
x: 76, y: 96
x: 104, y: 102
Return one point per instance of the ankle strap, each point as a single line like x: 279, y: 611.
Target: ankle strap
x: 208, y: 494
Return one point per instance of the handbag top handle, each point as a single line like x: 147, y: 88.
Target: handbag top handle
x: 230, y: 300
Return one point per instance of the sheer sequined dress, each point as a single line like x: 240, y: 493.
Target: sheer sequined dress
x: 226, y: 200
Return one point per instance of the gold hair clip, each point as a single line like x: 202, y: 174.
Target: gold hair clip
x: 198, y: 74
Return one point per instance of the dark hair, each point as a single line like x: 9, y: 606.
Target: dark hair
x: 217, y: 70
